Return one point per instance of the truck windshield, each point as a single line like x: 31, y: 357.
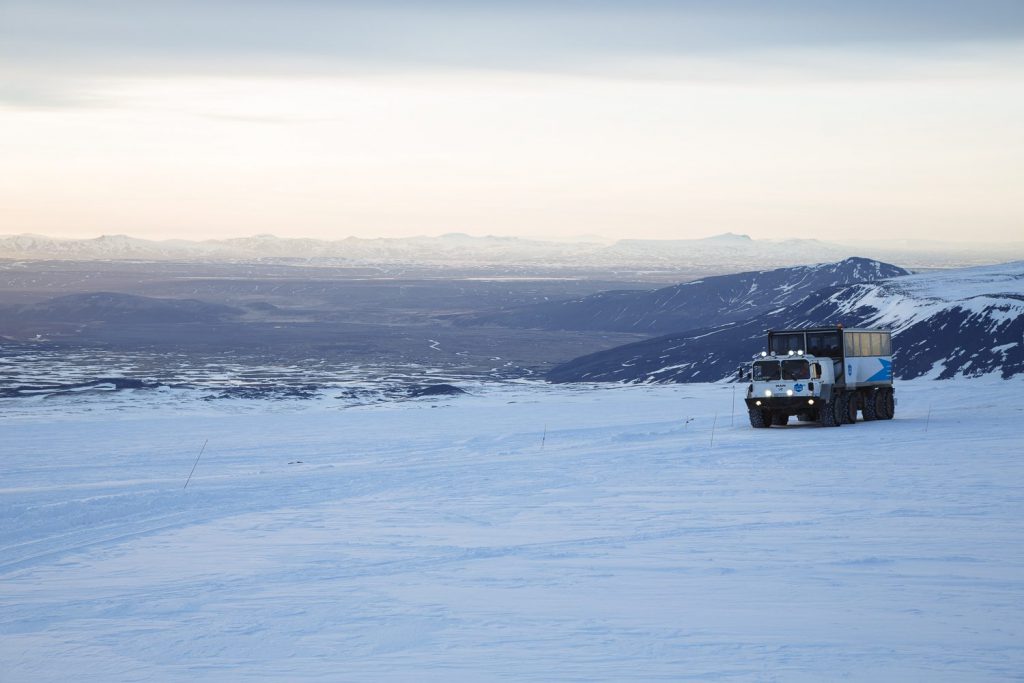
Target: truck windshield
x: 795, y: 369
x: 765, y: 370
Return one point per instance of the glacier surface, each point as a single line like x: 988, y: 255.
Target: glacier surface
x: 524, y: 532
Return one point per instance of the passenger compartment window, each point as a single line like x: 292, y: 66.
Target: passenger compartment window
x: 876, y: 343
x: 852, y: 344
x: 782, y: 344
x: 824, y: 344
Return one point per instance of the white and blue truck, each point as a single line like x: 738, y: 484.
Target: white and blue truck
x: 821, y: 374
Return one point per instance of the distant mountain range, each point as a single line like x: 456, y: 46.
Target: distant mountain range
x: 966, y: 322
x: 711, y: 301
x: 722, y: 253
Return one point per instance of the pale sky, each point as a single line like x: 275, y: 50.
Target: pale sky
x: 652, y: 118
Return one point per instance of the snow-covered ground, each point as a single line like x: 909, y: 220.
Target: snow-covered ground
x: 525, y: 532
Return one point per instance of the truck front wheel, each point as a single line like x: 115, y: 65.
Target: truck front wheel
x: 760, y: 419
x: 829, y: 414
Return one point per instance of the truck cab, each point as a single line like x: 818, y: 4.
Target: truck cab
x: 821, y: 374
x: 793, y: 384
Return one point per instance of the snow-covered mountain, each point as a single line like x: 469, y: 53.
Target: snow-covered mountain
x: 966, y: 322
x: 703, y: 303
x: 712, y: 255
x: 452, y: 248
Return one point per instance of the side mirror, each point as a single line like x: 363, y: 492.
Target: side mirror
x: 740, y: 373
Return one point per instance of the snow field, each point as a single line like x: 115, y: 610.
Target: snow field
x: 452, y: 540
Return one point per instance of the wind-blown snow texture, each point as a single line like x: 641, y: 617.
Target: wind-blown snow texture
x: 703, y: 303
x: 527, y: 533
x: 967, y: 322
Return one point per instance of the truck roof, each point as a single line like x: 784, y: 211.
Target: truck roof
x: 834, y: 328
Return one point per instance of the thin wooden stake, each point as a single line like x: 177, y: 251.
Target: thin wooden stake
x: 929, y: 418
x: 196, y: 463
x: 713, y: 429
x: 732, y: 417
x: 544, y: 438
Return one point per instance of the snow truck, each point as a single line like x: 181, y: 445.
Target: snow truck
x: 821, y: 374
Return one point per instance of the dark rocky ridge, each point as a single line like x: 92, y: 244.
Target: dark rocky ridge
x: 938, y: 331
x: 120, y: 308
x: 707, y: 302
x: 436, y: 390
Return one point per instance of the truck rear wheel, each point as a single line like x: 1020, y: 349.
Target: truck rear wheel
x: 760, y: 419
x: 870, y: 409
x: 849, y: 409
x: 888, y: 404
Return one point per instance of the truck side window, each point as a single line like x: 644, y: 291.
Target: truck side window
x: 815, y: 371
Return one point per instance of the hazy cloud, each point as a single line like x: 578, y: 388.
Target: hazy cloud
x: 116, y: 37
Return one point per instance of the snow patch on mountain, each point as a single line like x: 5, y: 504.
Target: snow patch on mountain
x: 967, y: 322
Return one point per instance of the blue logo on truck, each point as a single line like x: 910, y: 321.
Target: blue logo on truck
x: 798, y: 387
x: 884, y: 374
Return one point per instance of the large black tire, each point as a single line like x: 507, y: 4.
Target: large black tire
x: 880, y: 404
x: 888, y: 404
x: 780, y: 419
x: 870, y: 409
x: 849, y: 409
x: 760, y: 419
x: 828, y: 414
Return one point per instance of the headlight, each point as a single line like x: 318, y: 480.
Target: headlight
x: 757, y: 403
x: 767, y: 392
x: 810, y: 401
x: 789, y: 392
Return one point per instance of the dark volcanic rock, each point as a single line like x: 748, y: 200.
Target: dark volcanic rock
x: 436, y: 390
x: 121, y: 308
x: 269, y: 391
x: 54, y: 389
